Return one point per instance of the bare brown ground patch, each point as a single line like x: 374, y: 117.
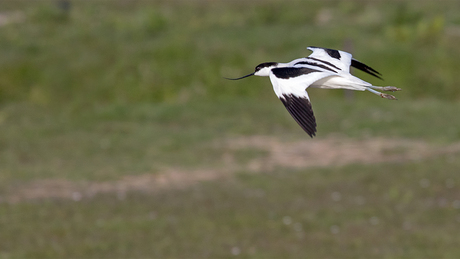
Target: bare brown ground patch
x: 307, y: 153
x: 62, y: 188
x: 335, y: 151
x: 11, y: 17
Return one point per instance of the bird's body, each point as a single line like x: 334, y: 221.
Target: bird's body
x: 324, y: 68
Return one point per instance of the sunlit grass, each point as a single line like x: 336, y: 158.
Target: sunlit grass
x: 176, y: 51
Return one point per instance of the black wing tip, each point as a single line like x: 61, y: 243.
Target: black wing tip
x: 365, y: 68
x: 300, y: 109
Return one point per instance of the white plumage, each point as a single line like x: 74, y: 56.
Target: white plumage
x: 324, y: 68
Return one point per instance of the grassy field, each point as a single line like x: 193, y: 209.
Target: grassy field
x: 175, y: 51
x: 119, y: 138
x: 401, y: 208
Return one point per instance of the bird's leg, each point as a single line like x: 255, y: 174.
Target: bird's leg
x: 385, y: 88
x: 391, y: 88
x: 388, y: 96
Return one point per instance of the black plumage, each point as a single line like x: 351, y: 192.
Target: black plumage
x: 315, y: 64
x: 300, y: 109
x: 288, y: 72
x: 363, y: 67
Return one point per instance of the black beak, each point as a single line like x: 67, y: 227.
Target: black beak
x: 239, y: 77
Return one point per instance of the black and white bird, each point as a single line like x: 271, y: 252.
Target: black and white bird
x: 324, y: 68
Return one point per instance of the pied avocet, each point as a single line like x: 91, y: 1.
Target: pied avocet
x: 324, y: 68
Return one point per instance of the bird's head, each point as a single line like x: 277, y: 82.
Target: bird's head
x: 261, y: 70
x: 265, y: 68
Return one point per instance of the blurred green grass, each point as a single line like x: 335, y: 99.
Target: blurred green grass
x: 405, y: 209
x: 127, y: 88
x: 130, y: 51
x: 358, y: 211
x: 134, y: 139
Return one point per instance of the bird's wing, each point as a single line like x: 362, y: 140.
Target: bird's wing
x: 363, y: 67
x: 335, y: 59
x: 339, y: 60
x: 289, y: 84
x: 300, y: 109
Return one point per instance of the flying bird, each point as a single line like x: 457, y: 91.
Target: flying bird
x: 324, y: 68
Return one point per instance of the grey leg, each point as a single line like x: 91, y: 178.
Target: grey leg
x: 388, y: 96
x: 386, y: 88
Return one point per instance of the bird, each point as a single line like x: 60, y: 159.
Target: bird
x: 323, y: 68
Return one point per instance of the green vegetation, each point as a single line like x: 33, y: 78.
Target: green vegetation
x: 354, y: 211
x: 106, y: 91
x: 130, y: 51
x: 113, y: 141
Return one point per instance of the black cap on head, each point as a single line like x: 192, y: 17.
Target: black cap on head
x: 266, y: 64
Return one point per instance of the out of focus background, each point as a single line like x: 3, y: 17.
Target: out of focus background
x: 119, y: 137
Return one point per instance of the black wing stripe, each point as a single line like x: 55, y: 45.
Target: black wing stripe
x: 315, y: 64
x: 300, y: 109
x: 365, y: 68
x: 325, y: 62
